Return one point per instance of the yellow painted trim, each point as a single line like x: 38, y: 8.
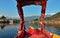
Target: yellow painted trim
x: 56, y: 36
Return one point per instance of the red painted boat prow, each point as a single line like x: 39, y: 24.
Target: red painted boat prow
x: 34, y: 33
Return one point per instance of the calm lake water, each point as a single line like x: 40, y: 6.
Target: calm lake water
x: 9, y: 31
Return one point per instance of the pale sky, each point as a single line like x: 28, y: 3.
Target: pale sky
x: 8, y: 8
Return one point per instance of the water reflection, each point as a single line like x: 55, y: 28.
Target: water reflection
x: 53, y: 28
x: 2, y: 25
x: 8, y: 30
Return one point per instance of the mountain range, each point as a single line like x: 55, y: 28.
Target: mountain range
x: 54, y: 17
x: 28, y: 18
x: 47, y: 17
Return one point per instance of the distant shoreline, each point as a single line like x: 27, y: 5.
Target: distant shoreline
x: 52, y: 22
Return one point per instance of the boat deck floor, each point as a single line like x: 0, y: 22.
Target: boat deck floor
x: 35, y: 33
